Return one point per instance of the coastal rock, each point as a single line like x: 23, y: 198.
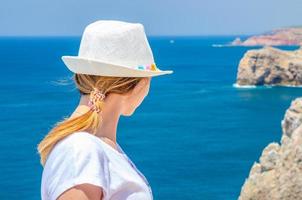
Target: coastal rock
x: 270, y: 66
x: 237, y: 41
x: 278, y: 175
x: 278, y: 37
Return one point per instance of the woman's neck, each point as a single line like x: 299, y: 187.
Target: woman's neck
x: 109, y: 121
x: 109, y: 117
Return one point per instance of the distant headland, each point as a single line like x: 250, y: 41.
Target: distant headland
x: 289, y: 36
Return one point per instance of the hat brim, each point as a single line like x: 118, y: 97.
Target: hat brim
x: 95, y: 67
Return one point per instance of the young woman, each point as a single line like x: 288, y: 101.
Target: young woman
x: 80, y: 155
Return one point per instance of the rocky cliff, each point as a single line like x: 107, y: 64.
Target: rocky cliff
x: 270, y: 66
x: 278, y: 175
x: 278, y: 37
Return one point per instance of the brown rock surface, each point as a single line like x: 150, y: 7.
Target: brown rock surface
x: 270, y: 66
x: 278, y: 175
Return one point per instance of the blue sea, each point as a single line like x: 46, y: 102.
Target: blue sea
x: 194, y: 137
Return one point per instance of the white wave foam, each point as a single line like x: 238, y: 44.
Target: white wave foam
x: 264, y: 86
x: 222, y: 45
x: 243, y: 86
x: 298, y: 86
x: 217, y: 45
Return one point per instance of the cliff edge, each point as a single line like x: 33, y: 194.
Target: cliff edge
x: 278, y: 175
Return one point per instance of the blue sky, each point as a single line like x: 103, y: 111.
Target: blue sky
x: 160, y: 17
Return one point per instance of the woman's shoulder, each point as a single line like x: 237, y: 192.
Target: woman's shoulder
x: 75, y: 159
x: 78, y: 140
x: 76, y: 149
x: 77, y: 143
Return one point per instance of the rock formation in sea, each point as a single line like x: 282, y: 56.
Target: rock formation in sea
x: 278, y: 37
x: 270, y: 66
x: 278, y: 174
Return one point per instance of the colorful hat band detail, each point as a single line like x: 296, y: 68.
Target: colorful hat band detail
x: 151, y: 67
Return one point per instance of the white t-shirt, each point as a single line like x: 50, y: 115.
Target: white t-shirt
x: 84, y: 158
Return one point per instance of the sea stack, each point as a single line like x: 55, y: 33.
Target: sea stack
x: 270, y: 66
x: 278, y: 175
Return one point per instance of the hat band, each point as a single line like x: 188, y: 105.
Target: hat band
x: 151, y: 67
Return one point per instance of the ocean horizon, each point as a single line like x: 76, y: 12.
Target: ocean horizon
x: 195, y: 136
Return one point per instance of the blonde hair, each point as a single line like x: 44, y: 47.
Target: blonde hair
x: 89, y: 121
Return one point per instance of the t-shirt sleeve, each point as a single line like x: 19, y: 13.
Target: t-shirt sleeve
x: 77, y: 161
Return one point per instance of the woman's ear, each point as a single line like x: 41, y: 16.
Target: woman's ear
x: 134, y: 98
x: 139, y: 86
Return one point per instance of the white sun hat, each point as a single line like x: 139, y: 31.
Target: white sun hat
x: 114, y: 48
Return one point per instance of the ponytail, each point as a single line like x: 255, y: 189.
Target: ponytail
x: 88, y: 121
x: 96, y: 87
